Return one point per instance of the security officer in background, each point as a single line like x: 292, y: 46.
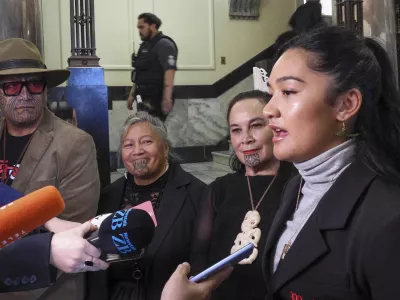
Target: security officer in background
x: 307, y: 16
x: 154, y: 68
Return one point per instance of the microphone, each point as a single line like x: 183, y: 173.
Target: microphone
x: 123, y: 234
x: 96, y: 221
x: 146, y: 206
x: 20, y: 217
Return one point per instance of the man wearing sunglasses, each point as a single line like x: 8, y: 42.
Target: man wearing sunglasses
x: 38, y: 149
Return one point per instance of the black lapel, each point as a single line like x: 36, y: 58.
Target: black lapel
x: 288, y: 203
x: 310, y: 244
x: 308, y: 247
x: 174, y: 197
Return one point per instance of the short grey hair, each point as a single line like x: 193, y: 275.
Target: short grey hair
x: 157, y: 125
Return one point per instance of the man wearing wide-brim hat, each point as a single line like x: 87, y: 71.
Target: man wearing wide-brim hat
x: 38, y: 149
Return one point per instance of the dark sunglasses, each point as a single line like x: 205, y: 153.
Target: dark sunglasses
x: 15, y: 88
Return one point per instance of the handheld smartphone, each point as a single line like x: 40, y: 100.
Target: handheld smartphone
x: 231, y: 260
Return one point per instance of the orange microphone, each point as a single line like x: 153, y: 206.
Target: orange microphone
x: 29, y: 212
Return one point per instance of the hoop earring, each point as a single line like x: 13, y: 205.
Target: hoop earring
x: 344, y: 134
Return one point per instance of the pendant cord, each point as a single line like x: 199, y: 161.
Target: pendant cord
x: 288, y: 245
x: 264, y: 194
x: 298, y: 194
x: 4, y: 180
x: 251, y: 234
x: 4, y: 156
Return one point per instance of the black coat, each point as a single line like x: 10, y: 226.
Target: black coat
x: 219, y: 222
x: 25, y: 264
x: 172, y: 238
x: 349, y: 249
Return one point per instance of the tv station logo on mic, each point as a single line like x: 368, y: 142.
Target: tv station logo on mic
x: 15, y: 236
x: 121, y: 239
x: 12, y: 238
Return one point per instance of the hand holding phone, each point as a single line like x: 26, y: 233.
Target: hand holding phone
x: 179, y: 287
x: 231, y: 260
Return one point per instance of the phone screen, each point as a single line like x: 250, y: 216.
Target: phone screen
x: 231, y: 260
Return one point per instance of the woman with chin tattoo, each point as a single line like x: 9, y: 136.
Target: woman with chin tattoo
x: 239, y: 208
x: 151, y: 175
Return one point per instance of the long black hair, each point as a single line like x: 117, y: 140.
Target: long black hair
x: 235, y: 164
x: 361, y: 63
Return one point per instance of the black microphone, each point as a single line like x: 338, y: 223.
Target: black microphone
x: 123, y: 234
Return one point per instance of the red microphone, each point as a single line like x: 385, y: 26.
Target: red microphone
x: 29, y: 212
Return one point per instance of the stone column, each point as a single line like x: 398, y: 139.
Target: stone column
x: 379, y: 22
x: 22, y: 19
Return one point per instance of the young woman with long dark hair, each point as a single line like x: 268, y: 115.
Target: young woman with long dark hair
x: 335, y: 113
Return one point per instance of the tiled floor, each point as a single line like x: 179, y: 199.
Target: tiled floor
x: 206, y: 172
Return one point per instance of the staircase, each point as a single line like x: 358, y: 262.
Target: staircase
x: 222, y: 157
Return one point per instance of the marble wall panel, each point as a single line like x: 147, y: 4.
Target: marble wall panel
x: 177, y: 123
x: 192, y: 122
x: 207, y: 125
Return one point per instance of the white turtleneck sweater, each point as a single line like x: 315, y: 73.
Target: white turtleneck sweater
x: 319, y: 174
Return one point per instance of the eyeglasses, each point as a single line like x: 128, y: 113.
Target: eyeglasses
x: 15, y: 88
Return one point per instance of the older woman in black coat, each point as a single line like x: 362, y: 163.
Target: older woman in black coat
x: 151, y: 175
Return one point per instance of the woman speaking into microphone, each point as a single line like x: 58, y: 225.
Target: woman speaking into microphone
x: 335, y: 113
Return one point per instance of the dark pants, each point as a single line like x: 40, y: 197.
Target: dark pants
x: 153, y: 106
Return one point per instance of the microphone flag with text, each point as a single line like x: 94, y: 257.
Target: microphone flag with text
x: 125, y: 234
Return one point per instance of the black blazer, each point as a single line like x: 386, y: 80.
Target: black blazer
x: 172, y: 238
x: 349, y: 249
x: 25, y: 264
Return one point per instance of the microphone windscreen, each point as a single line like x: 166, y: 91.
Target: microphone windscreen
x: 126, y: 231
x: 29, y: 212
